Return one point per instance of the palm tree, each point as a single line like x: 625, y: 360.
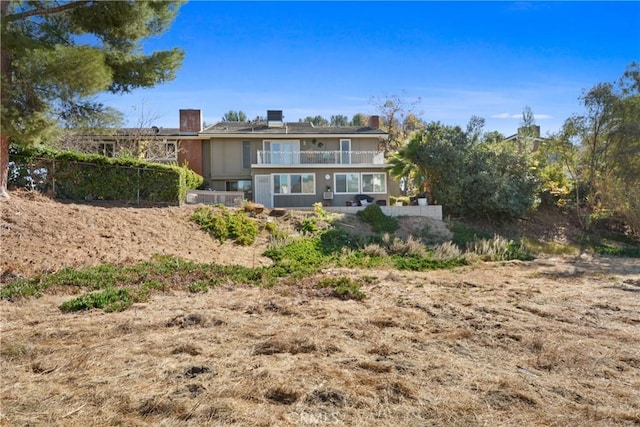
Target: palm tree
x: 409, y: 164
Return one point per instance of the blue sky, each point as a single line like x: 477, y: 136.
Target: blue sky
x: 489, y: 59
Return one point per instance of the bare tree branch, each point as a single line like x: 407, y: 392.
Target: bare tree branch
x: 44, y: 11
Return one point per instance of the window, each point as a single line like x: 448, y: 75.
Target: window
x: 374, y: 183
x: 170, y: 150
x: 240, y: 185
x: 294, y: 184
x: 282, y: 152
x: 367, y: 182
x: 347, y: 182
x: 106, y: 149
x: 345, y: 151
x: 246, y: 154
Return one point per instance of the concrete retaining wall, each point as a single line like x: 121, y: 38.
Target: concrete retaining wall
x: 431, y: 211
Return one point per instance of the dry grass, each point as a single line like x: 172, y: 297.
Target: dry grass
x: 517, y: 343
x: 550, y: 342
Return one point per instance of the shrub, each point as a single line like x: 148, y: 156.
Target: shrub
x: 379, y: 222
x: 242, y: 228
x: 198, y: 286
x: 225, y: 225
x: 498, y: 249
x: 446, y: 251
x: 374, y: 249
x: 464, y: 234
x: 308, y: 226
x: 343, y: 287
x: 319, y: 211
x: 410, y: 247
x: 109, y: 300
x: 80, y: 176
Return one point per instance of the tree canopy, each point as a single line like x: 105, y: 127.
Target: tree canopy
x: 57, y: 55
x: 468, y: 177
x: 234, y: 116
x: 606, y: 168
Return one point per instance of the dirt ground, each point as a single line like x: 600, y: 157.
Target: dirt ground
x: 553, y: 341
x: 40, y: 235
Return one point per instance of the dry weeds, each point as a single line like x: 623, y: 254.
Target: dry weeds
x: 550, y: 342
x: 495, y: 344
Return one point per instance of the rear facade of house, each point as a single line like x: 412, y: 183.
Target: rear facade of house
x: 280, y: 164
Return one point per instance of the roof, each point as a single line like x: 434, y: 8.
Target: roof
x: 138, y: 132
x: 515, y: 137
x: 293, y: 128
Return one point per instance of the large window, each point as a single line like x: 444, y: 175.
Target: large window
x: 240, y: 185
x: 374, y: 183
x: 366, y: 182
x: 281, y: 152
x: 106, y: 148
x: 347, y: 182
x: 170, y: 150
x: 294, y: 184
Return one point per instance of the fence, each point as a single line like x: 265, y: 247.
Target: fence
x: 227, y: 198
x: 270, y: 157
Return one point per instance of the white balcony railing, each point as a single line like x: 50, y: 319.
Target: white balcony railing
x: 268, y: 157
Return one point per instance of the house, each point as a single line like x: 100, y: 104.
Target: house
x: 275, y: 163
x: 287, y: 164
x: 153, y: 144
x: 527, y: 135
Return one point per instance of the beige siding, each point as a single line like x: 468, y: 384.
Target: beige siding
x: 304, y: 200
x: 226, y: 158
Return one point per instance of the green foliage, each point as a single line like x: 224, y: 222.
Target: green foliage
x: 604, y: 165
x: 198, y: 286
x: 534, y: 246
x: 52, y: 71
x: 472, y: 179
x: 498, y: 249
x: 610, y: 244
x: 234, y: 116
x: 486, y: 246
x: 237, y: 226
x: 78, y: 176
x: 417, y: 263
x: 379, y: 222
x: 302, y: 255
x: 498, y: 182
x: 464, y: 234
x: 109, y: 300
x: 402, y: 199
x: 319, y: 211
x: 309, y: 226
x: 242, y: 228
x: 318, y: 121
x: 343, y: 287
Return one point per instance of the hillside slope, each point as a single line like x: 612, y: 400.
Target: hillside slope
x: 549, y: 342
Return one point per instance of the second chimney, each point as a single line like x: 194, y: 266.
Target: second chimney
x: 190, y: 121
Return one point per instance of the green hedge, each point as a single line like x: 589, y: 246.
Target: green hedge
x: 77, y: 176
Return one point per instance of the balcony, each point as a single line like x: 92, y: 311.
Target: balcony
x: 268, y: 157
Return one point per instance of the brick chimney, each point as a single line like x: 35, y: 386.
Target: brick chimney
x: 190, y: 121
x: 374, y: 122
